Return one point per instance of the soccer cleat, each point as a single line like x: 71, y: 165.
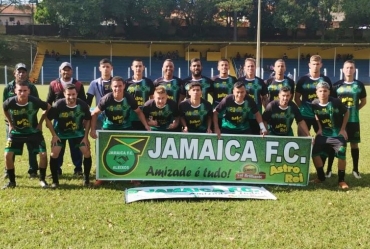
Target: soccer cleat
x: 135, y: 183
x: 356, y: 174
x: 98, y: 183
x: 43, y: 184
x: 33, y: 175
x: 55, y: 185
x: 317, y: 180
x: 328, y: 174
x: 86, y: 183
x: 78, y: 173
x: 343, y: 185
x: 9, y: 185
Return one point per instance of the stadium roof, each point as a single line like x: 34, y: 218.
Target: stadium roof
x: 187, y: 43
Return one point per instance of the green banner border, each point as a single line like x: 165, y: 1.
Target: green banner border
x: 237, y: 159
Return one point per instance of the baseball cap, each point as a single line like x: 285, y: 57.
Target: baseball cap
x: 323, y: 84
x: 20, y: 65
x: 65, y: 64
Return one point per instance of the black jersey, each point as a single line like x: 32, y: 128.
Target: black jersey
x: 140, y: 90
x: 222, y: 87
x: 330, y: 116
x: 280, y: 119
x: 205, y: 82
x: 164, y: 116
x: 173, y: 87
x: 69, y: 120
x: 235, y: 116
x: 24, y: 117
x: 350, y: 94
x: 196, y: 117
x: 306, y: 86
x: 117, y: 113
x: 256, y: 88
x: 274, y: 86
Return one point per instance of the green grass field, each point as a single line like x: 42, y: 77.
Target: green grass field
x: 75, y: 217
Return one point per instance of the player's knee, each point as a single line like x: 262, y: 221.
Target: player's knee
x: 54, y: 155
x: 8, y: 156
x: 42, y: 155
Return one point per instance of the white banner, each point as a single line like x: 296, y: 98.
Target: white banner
x: 201, y: 191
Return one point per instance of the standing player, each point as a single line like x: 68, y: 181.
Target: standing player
x: 100, y: 86
x: 279, y: 115
x: 56, y: 92
x: 172, y: 83
x: 236, y: 109
x: 222, y: 84
x: 257, y: 90
x: 141, y: 88
x: 279, y: 80
x: 352, y: 93
x: 116, y: 105
x: 196, y: 75
x: 196, y: 112
x: 332, y: 116
x: 306, y: 91
x: 21, y: 75
x: 21, y: 114
x: 72, y: 118
x: 161, y: 113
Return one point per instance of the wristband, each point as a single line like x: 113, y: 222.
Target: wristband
x: 262, y: 126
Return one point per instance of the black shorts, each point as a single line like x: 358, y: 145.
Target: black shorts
x: 74, y: 143
x: 353, y: 132
x: 324, y: 144
x: 311, y: 122
x: 137, y: 126
x: 36, y: 142
x: 254, y: 127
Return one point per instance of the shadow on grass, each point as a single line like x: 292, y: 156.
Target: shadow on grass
x: 68, y: 182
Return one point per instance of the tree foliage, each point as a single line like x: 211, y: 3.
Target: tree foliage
x: 157, y: 16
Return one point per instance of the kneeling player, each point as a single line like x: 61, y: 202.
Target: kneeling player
x: 332, y: 117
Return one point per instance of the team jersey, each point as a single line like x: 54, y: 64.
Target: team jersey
x: 140, y: 90
x: 117, y: 113
x: 9, y: 90
x: 330, y: 116
x: 164, y: 116
x: 350, y: 94
x: 196, y: 117
x: 306, y: 86
x: 274, y: 86
x: 222, y: 87
x: 98, y: 88
x: 24, y: 117
x: 280, y: 119
x: 235, y: 116
x: 69, y: 121
x: 205, y: 82
x: 173, y: 87
x: 256, y: 88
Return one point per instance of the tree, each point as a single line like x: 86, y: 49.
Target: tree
x: 356, y: 13
x: 231, y: 11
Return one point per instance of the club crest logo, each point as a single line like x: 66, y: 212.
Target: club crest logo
x: 122, y: 153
